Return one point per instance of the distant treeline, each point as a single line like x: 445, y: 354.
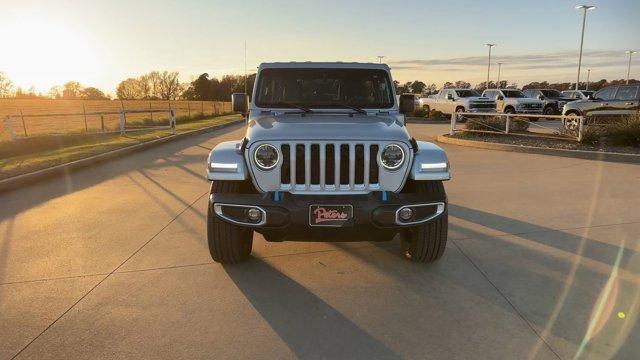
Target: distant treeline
x: 165, y: 85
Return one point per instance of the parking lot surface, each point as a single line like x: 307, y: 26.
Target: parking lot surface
x: 112, y: 261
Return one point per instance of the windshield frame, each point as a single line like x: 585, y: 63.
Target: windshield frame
x: 391, y: 105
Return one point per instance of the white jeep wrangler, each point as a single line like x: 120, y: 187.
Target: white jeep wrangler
x: 326, y: 157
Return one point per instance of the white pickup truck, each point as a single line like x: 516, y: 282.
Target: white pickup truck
x: 449, y: 101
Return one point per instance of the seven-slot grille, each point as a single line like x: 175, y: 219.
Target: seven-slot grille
x: 315, y: 166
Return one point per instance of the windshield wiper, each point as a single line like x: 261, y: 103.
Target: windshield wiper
x: 356, y: 109
x: 299, y: 107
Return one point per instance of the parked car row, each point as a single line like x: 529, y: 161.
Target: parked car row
x: 612, y: 100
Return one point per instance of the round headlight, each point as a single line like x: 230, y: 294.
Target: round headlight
x: 266, y: 156
x: 392, y: 157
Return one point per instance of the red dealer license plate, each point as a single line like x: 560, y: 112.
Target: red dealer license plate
x: 331, y: 215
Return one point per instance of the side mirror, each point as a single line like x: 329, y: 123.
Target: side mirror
x: 591, y: 97
x: 407, y: 104
x: 540, y: 97
x: 240, y: 103
x: 449, y: 96
x: 500, y: 97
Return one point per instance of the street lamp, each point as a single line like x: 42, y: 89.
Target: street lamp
x: 499, y: 67
x: 380, y: 57
x: 489, y: 63
x: 584, y: 8
x: 588, y: 76
x: 630, y: 52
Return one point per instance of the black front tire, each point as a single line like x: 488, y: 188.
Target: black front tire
x: 426, y: 243
x: 228, y: 243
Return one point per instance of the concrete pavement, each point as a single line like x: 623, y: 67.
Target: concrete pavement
x: 112, y: 261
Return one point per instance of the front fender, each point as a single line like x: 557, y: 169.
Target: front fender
x: 430, y: 163
x: 226, y: 162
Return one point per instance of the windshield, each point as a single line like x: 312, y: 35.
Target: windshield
x: 551, y: 93
x: 324, y: 88
x: 467, y: 93
x: 513, y: 93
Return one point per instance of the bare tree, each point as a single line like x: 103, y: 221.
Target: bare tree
x: 55, y: 92
x: 129, y: 89
x: 6, y: 86
x: 72, y: 90
x: 169, y: 85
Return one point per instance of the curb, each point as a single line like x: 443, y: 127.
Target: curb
x: 415, y: 120
x: 39, y: 175
x: 578, y: 154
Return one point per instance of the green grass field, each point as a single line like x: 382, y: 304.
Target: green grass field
x: 54, y: 153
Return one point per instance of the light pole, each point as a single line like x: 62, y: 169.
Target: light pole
x: 584, y: 8
x: 499, y: 68
x: 489, y: 63
x: 630, y: 52
x: 380, y: 57
x: 588, y: 76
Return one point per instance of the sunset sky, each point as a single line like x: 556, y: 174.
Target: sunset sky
x: 100, y: 43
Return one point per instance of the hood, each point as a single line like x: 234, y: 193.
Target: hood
x: 326, y: 127
x: 564, y: 99
x: 479, y: 99
x: 527, y: 100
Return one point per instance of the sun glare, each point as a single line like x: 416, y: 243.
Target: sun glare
x: 47, y: 52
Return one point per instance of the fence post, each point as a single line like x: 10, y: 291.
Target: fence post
x: 202, y: 108
x: 84, y: 111
x: 189, y: 108
x: 102, y: 122
x: 122, y: 121
x: 150, y: 112
x: 9, y: 124
x: 172, y: 121
x: 24, y: 126
x: 506, y: 124
x: 453, y: 124
x: 580, y: 128
x: 123, y: 113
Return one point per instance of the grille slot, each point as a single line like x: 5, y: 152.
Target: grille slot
x: 344, y: 164
x: 373, y: 164
x: 319, y: 166
x: 315, y: 164
x: 285, y: 169
x: 359, y: 170
x: 299, y: 176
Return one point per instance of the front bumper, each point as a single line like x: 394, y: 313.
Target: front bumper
x: 374, y: 219
x: 482, y: 110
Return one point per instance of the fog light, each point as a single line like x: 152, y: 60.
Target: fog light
x: 406, y: 213
x: 254, y: 214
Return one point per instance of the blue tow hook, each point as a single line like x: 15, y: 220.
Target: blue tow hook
x: 384, y: 196
x: 276, y: 196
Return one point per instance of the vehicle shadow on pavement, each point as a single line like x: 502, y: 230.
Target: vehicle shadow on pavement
x: 555, y: 279
x: 309, y: 326
x: 561, y: 240
x: 19, y: 200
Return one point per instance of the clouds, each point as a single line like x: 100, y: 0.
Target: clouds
x: 554, y: 60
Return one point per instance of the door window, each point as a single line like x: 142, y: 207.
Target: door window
x: 627, y: 93
x: 606, y: 93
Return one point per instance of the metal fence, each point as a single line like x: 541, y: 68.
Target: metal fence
x: 27, y: 118
x: 123, y: 127
x: 569, y: 127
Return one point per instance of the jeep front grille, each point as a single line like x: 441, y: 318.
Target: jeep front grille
x: 310, y: 166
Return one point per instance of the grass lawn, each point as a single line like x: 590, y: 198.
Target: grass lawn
x: 16, y: 165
